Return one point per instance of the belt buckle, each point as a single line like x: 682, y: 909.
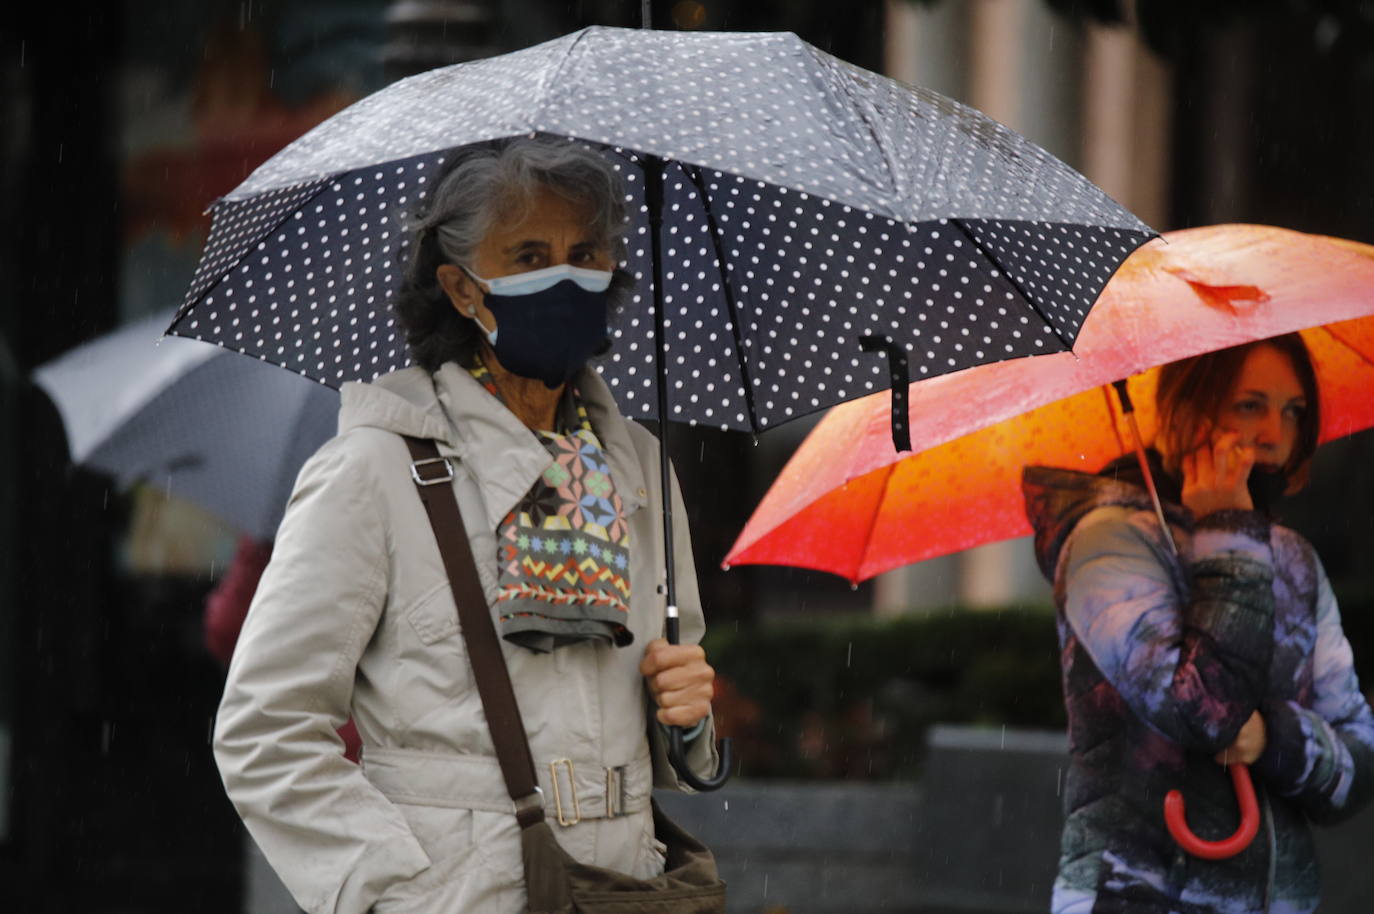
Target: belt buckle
x: 558, y: 794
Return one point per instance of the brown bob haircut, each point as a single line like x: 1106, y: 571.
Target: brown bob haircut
x: 1193, y: 392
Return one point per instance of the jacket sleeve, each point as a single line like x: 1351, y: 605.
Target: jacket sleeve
x: 1323, y: 755
x: 335, y: 840
x: 1191, y: 657
x: 701, y: 748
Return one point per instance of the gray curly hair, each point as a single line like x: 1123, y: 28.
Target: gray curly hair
x: 479, y: 186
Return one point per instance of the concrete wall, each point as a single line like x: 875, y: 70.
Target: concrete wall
x: 980, y: 833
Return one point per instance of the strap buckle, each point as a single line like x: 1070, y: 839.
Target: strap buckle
x: 563, y: 819
x: 615, y: 791
x: 533, y: 801
x: 431, y: 480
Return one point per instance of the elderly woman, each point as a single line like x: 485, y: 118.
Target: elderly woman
x: 511, y: 277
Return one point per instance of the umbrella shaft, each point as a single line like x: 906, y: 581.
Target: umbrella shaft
x: 653, y: 200
x: 1128, y: 410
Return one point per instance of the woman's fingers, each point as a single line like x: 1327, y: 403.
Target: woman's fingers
x: 1206, y: 467
x: 682, y: 677
x: 1215, y: 475
x: 659, y: 655
x: 681, y: 681
x: 1249, y: 744
x: 684, y: 715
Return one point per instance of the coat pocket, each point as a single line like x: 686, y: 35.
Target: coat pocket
x: 433, y: 617
x: 653, y: 856
x: 463, y: 877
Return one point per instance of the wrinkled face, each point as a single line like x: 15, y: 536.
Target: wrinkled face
x: 548, y: 231
x: 553, y: 231
x: 1266, y: 406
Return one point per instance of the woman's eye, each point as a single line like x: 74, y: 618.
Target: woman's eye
x: 1249, y: 407
x: 1294, y: 412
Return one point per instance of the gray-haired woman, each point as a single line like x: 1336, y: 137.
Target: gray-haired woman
x: 511, y: 276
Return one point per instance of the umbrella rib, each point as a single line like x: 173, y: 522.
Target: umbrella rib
x: 1337, y: 337
x: 694, y: 174
x: 890, y: 469
x: 554, y: 78
x: 1025, y: 296
x: 1112, y: 416
x: 186, y: 307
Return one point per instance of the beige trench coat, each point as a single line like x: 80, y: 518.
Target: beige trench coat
x: 354, y: 616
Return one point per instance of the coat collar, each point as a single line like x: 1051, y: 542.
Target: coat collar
x: 506, y: 458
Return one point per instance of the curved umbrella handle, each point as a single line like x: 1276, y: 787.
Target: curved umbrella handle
x: 1177, y: 823
x: 677, y: 757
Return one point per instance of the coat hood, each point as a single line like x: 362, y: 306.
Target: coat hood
x: 1056, y: 500
x: 404, y: 402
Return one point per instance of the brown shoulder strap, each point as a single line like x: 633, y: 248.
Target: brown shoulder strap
x: 433, y: 476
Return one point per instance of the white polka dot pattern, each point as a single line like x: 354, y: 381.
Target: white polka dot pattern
x: 312, y: 291
x: 807, y: 204
x: 239, y: 225
x: 766, y: 106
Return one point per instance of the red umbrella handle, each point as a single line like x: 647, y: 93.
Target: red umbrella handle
x: 1226, y: 847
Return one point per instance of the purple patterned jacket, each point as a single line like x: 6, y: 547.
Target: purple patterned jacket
x: 1164, y: 659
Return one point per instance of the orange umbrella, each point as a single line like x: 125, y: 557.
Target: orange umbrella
x: 849, y: 504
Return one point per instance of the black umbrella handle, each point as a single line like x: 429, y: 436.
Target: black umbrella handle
x: 677, y: 739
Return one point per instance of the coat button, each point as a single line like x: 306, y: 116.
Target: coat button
x: 642, y: 493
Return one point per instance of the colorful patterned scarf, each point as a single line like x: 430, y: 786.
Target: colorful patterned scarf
x: 563, y: 552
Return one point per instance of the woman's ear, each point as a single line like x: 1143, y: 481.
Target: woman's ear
x: 460, y: 289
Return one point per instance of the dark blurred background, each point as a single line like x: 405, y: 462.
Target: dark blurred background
x: 119, y: 123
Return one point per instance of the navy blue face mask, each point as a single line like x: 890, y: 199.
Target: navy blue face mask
x: 548, y: 322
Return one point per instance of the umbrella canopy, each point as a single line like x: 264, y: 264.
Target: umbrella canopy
x: 224, y: 432
x: 806, y: 204
x: 847, y: 503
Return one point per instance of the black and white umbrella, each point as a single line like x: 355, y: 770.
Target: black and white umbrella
x: 808, y: 211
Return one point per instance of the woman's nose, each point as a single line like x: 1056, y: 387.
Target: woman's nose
x: 1270, y: 429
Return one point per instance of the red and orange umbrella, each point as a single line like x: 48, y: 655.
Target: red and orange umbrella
x: 850, y: 504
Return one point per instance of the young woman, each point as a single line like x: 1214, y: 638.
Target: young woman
x: 1230, y: 650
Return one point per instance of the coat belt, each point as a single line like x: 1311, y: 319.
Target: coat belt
x: 573, y: 790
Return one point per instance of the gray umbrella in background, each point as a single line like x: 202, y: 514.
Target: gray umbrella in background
x: 224, y: 432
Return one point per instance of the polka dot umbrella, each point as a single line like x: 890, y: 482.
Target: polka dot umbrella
x: 808, y: 230
x: 806, y: 203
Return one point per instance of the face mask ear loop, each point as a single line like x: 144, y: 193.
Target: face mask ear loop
x: 472, y: 314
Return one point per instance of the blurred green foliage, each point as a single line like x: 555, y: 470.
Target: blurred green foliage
x: 853, y: 697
